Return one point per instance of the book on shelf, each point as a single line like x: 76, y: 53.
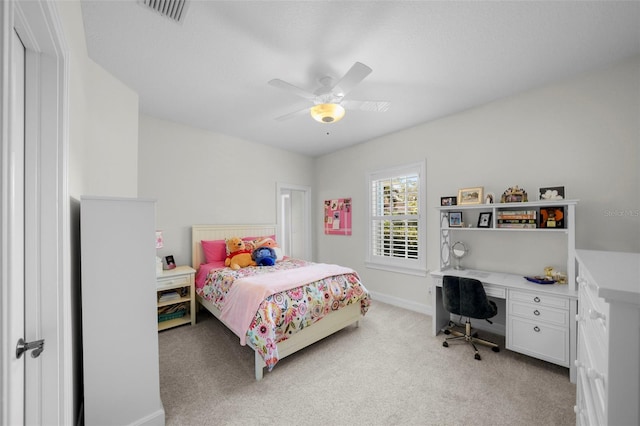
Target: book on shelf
x: 170, y: 295
x: 517, y: 214
x: 517, y: 225
x: 517, y: 221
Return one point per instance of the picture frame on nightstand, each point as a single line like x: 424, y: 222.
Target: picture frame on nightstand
x: 171, y: 263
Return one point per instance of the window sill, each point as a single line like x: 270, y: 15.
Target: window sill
x: 419, y: 272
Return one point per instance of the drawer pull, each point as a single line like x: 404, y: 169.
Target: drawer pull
x: 536, y: 312
x: 536, y: 329
x: 594, y: 374
x: 579, y: 318
x: 578, y: 363
x: 593, y: 314
x: 536, y: 299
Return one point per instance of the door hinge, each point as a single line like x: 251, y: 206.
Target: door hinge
x: 22, y: 347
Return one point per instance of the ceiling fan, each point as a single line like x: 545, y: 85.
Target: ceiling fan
x: 329, y: 103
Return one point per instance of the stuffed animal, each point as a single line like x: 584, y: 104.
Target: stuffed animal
x: 239, y: 256
x: 270, y: 242
x: 264, y: 256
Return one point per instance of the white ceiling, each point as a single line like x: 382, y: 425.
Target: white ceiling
x: 429, y: 58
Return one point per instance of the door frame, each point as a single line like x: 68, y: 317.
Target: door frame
x: 46, y: 153
x: 308, y: 237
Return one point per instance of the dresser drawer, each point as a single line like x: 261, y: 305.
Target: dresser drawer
x: 589, y: 413
x: 539, y: 299
x: 592, y: 352
x: 539, y: 313
x: 538, y: 339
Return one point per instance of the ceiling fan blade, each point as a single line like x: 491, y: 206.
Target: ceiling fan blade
x: 292, y: 114
x: 371, y: 106
x: 355, y: 75
x: 280, y: 84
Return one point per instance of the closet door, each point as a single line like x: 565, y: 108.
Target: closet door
x: 119, y: 324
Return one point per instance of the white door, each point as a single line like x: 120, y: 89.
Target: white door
x: 34, y: 254
x: 13, y: 411
x: 294, y: 220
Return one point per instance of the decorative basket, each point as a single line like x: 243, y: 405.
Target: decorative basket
x: 171, y: 315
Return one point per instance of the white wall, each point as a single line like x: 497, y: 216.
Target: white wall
x: 103, y: 120
x: 201, y: 177
x: 102, y: 153
x: 583, y: 134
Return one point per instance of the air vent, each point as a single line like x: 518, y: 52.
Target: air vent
x: 172, y: 9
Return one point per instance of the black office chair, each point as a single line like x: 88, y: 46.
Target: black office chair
x: 466, y: 297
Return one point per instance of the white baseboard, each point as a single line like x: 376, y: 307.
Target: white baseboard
x: 495, y: 328
x: 401, y: 303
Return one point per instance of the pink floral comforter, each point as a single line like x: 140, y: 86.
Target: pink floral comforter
x: 283, y: 314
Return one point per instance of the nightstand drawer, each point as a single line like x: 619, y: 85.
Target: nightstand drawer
x: 173, y: 281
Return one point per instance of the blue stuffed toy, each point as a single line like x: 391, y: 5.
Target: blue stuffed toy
x: 264, y: 256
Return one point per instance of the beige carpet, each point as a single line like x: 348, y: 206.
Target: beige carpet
x: 388, y: 371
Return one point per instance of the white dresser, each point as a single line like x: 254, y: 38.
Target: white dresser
x: 119, y: 319
x: 608, y: 362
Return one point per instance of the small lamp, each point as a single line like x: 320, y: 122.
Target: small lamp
x: 159, y: 245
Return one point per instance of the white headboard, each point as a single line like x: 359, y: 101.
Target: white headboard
x: 220, y: 232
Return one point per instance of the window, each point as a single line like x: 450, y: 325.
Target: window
x: 396, y: 219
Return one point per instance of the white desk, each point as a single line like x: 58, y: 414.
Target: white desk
x: 540, y: 318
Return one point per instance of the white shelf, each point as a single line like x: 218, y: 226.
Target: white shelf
x: 568, y: 229
x: 506, y: 206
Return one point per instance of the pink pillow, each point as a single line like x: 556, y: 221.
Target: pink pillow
x: 249, y: 242
x: 214, y: 250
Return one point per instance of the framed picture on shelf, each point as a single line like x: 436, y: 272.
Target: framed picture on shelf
x: 448, y: 201
x: 552, y: 193
x: 467, y: 196
x: 484, y: 220
x: 455, y: 219
x: 514, y: 195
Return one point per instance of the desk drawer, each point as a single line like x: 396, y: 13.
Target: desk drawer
x: 538, y: 339
x: 539, y: 299
x: 493, y: 291
x: 539, y: 313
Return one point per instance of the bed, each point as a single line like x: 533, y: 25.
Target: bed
x: 345, y: 302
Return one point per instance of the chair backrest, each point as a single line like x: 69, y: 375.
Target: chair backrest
x: 466, y: 297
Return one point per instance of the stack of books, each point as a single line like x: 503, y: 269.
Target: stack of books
x: 170, y: 295
x: 518, y: 219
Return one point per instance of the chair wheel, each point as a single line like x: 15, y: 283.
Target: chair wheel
x: 445, y: 344
x: 447, y: 332
x: 477, y: 356
x: 495, y: 349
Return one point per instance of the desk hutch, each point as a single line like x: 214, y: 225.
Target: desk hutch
x: 540, y: 319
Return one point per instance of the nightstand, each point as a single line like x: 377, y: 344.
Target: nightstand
x: 176, y: 297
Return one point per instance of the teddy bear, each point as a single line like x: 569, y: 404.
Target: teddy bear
x: 264, y: 256
x: 239, y: 256
x: 270, y: 242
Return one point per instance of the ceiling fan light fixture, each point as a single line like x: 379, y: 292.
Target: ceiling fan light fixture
x: 327, y: 113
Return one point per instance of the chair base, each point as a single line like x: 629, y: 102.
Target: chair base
x: 468, y: 337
